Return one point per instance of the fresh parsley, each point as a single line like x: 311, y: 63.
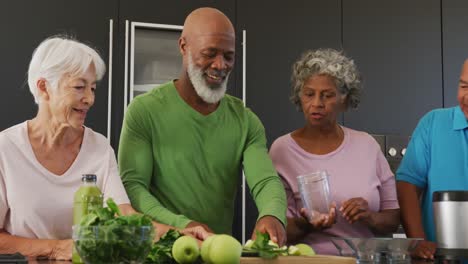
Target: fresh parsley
x: 265, y: 249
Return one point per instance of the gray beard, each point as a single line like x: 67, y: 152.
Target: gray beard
x: 207, y: 93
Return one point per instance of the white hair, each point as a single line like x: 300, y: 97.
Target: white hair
x: 57, y: 56
x: 208, y: 94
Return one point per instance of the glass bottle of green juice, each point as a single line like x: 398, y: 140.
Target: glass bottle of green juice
x: 87, y: 199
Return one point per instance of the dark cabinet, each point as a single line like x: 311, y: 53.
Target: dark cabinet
x: 24, y: 24
x: 275, y: 36
x: 455, y: 43
x: 397, y: 46
x: 169, y: 12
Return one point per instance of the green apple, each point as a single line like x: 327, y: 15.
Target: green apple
x: 185, y: 250
x: 305, y: 250
x: 205, y: 249
x: 225, y: 249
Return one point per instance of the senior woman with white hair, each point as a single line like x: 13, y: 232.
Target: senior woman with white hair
x: 42, y: 159
x: 362, y: 186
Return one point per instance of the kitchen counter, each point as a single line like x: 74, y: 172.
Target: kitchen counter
x: 249, y: 261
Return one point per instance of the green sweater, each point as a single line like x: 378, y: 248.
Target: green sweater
x: 178, y: 165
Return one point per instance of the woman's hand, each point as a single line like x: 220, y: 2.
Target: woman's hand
x: 320, y: 221
x: 197, y: 232
x: 61, y: 250
x: 425, y: 249
x: 195, y: 223
x: 160, y: 229
x: 356, y: 209
x: 383, y: 222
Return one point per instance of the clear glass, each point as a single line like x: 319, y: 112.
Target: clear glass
x: 377, y: 250
x: 113, y: 243
x: 315, y: 192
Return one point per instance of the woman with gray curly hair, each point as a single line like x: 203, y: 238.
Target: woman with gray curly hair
x: 326, y: 83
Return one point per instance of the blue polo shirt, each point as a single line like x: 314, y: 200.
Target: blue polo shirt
x: 437, y: 158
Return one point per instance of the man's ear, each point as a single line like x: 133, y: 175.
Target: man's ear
x: 182, y: 46
x: 42, y: 91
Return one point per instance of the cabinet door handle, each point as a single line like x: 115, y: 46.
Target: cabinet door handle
x: 109, y: 95
x: 126, y: 68
x: 132, y: 60
x: 244, y: 99
x: 244, y: 66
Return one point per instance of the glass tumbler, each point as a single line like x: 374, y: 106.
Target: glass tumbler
x: 315, y: 192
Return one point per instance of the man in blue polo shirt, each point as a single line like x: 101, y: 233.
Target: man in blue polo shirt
x: 436, y: 159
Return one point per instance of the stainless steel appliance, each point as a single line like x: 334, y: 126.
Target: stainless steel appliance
x: 451, y: 223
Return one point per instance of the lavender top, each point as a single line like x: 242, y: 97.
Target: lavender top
x: 357, y: 168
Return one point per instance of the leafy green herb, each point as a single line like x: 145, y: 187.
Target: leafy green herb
x: 106, y: 237
x: 162, y: 250
x: 113, y: 206
x: 263, y: 248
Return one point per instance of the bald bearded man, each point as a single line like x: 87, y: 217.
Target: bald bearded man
x: 184, y: 143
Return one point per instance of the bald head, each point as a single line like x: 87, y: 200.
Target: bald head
x: 207, y: 45
x: 207, y: 21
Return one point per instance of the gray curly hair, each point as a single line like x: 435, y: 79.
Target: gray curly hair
x: 330, y: 62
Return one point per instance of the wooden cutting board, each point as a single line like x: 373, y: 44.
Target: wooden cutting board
x: 299, y: 260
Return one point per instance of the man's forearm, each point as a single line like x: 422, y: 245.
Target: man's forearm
x: 408, y: 196
x: 144, y: 202
x: 384, y: 222
x: 296, y: 229
x: 271, y: 200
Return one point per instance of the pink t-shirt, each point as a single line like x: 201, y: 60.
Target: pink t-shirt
x: 357, y: 168
x: 34, y: 202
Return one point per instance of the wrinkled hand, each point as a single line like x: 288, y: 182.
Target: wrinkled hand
x: 425, y: 249
x: 319, y: 220
x: 62, y: 250
x: 161, y: 229
x: 271, y: 225
x: 195, y: 223
x: 356, y: 209
x: 197, y: 232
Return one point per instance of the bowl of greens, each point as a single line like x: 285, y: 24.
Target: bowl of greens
x: 105, y: 236
x: 113, y: 243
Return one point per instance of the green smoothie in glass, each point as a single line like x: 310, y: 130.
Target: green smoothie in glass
x: 87, y: 199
